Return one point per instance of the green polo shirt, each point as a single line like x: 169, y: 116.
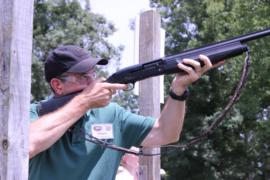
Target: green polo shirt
x: 74, y: 158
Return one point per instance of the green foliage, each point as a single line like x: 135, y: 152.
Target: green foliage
x: 60, y: 22
x: 239, y: 148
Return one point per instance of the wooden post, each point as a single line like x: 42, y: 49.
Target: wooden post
x: 149, y: 93
x: 16, y: 22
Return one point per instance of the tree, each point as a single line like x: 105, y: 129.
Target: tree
x: 59, y: 22
x: 239, y: 148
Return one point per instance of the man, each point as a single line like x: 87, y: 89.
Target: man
x: 58, y: 149
x: 129, y: 167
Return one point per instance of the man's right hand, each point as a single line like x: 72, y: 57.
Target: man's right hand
x: 99, y: 93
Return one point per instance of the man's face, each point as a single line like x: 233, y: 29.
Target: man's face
x: 72, y: 82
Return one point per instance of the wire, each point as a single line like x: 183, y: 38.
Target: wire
x: 105, y: 144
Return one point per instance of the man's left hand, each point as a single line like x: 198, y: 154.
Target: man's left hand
x: 193, y: 71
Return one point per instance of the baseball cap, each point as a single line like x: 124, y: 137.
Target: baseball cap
x: 70, y: 58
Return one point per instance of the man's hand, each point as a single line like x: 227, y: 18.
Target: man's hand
x: 99, y: 93
x: 182, y: 81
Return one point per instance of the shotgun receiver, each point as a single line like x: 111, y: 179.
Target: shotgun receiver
x: 168, y: 65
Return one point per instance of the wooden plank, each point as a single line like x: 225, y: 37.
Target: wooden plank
x: 149, y: 93
x: 16, y: 23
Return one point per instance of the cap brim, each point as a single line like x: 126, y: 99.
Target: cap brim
x: 87, y: 64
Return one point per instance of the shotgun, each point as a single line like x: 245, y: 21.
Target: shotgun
x: 167, y: 65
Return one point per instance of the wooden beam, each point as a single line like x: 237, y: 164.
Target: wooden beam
x: 149, y: 93
x: 16, y: 22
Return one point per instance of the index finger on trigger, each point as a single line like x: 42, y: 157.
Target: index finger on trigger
x: 115, y: 86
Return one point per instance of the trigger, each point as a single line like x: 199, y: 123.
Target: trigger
x: 130, y: 86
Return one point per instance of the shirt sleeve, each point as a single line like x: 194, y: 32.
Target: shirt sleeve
x: 134, y: 127
x: 33, y: 112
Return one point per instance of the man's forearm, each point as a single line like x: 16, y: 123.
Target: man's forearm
x: 172, y: 119
x: 46, y: 130
x: 168, y: 126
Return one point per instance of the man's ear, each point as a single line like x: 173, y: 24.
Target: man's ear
x: 57, y: 86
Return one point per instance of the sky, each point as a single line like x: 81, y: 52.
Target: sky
x: 121, y: 12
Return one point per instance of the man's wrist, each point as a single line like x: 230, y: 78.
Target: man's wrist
x: 82, y: 102
x: 181, y: 97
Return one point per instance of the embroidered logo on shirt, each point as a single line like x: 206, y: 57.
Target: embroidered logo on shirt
x: 102, y: 131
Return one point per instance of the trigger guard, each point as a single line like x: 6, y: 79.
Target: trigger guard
x: 130, y: 86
